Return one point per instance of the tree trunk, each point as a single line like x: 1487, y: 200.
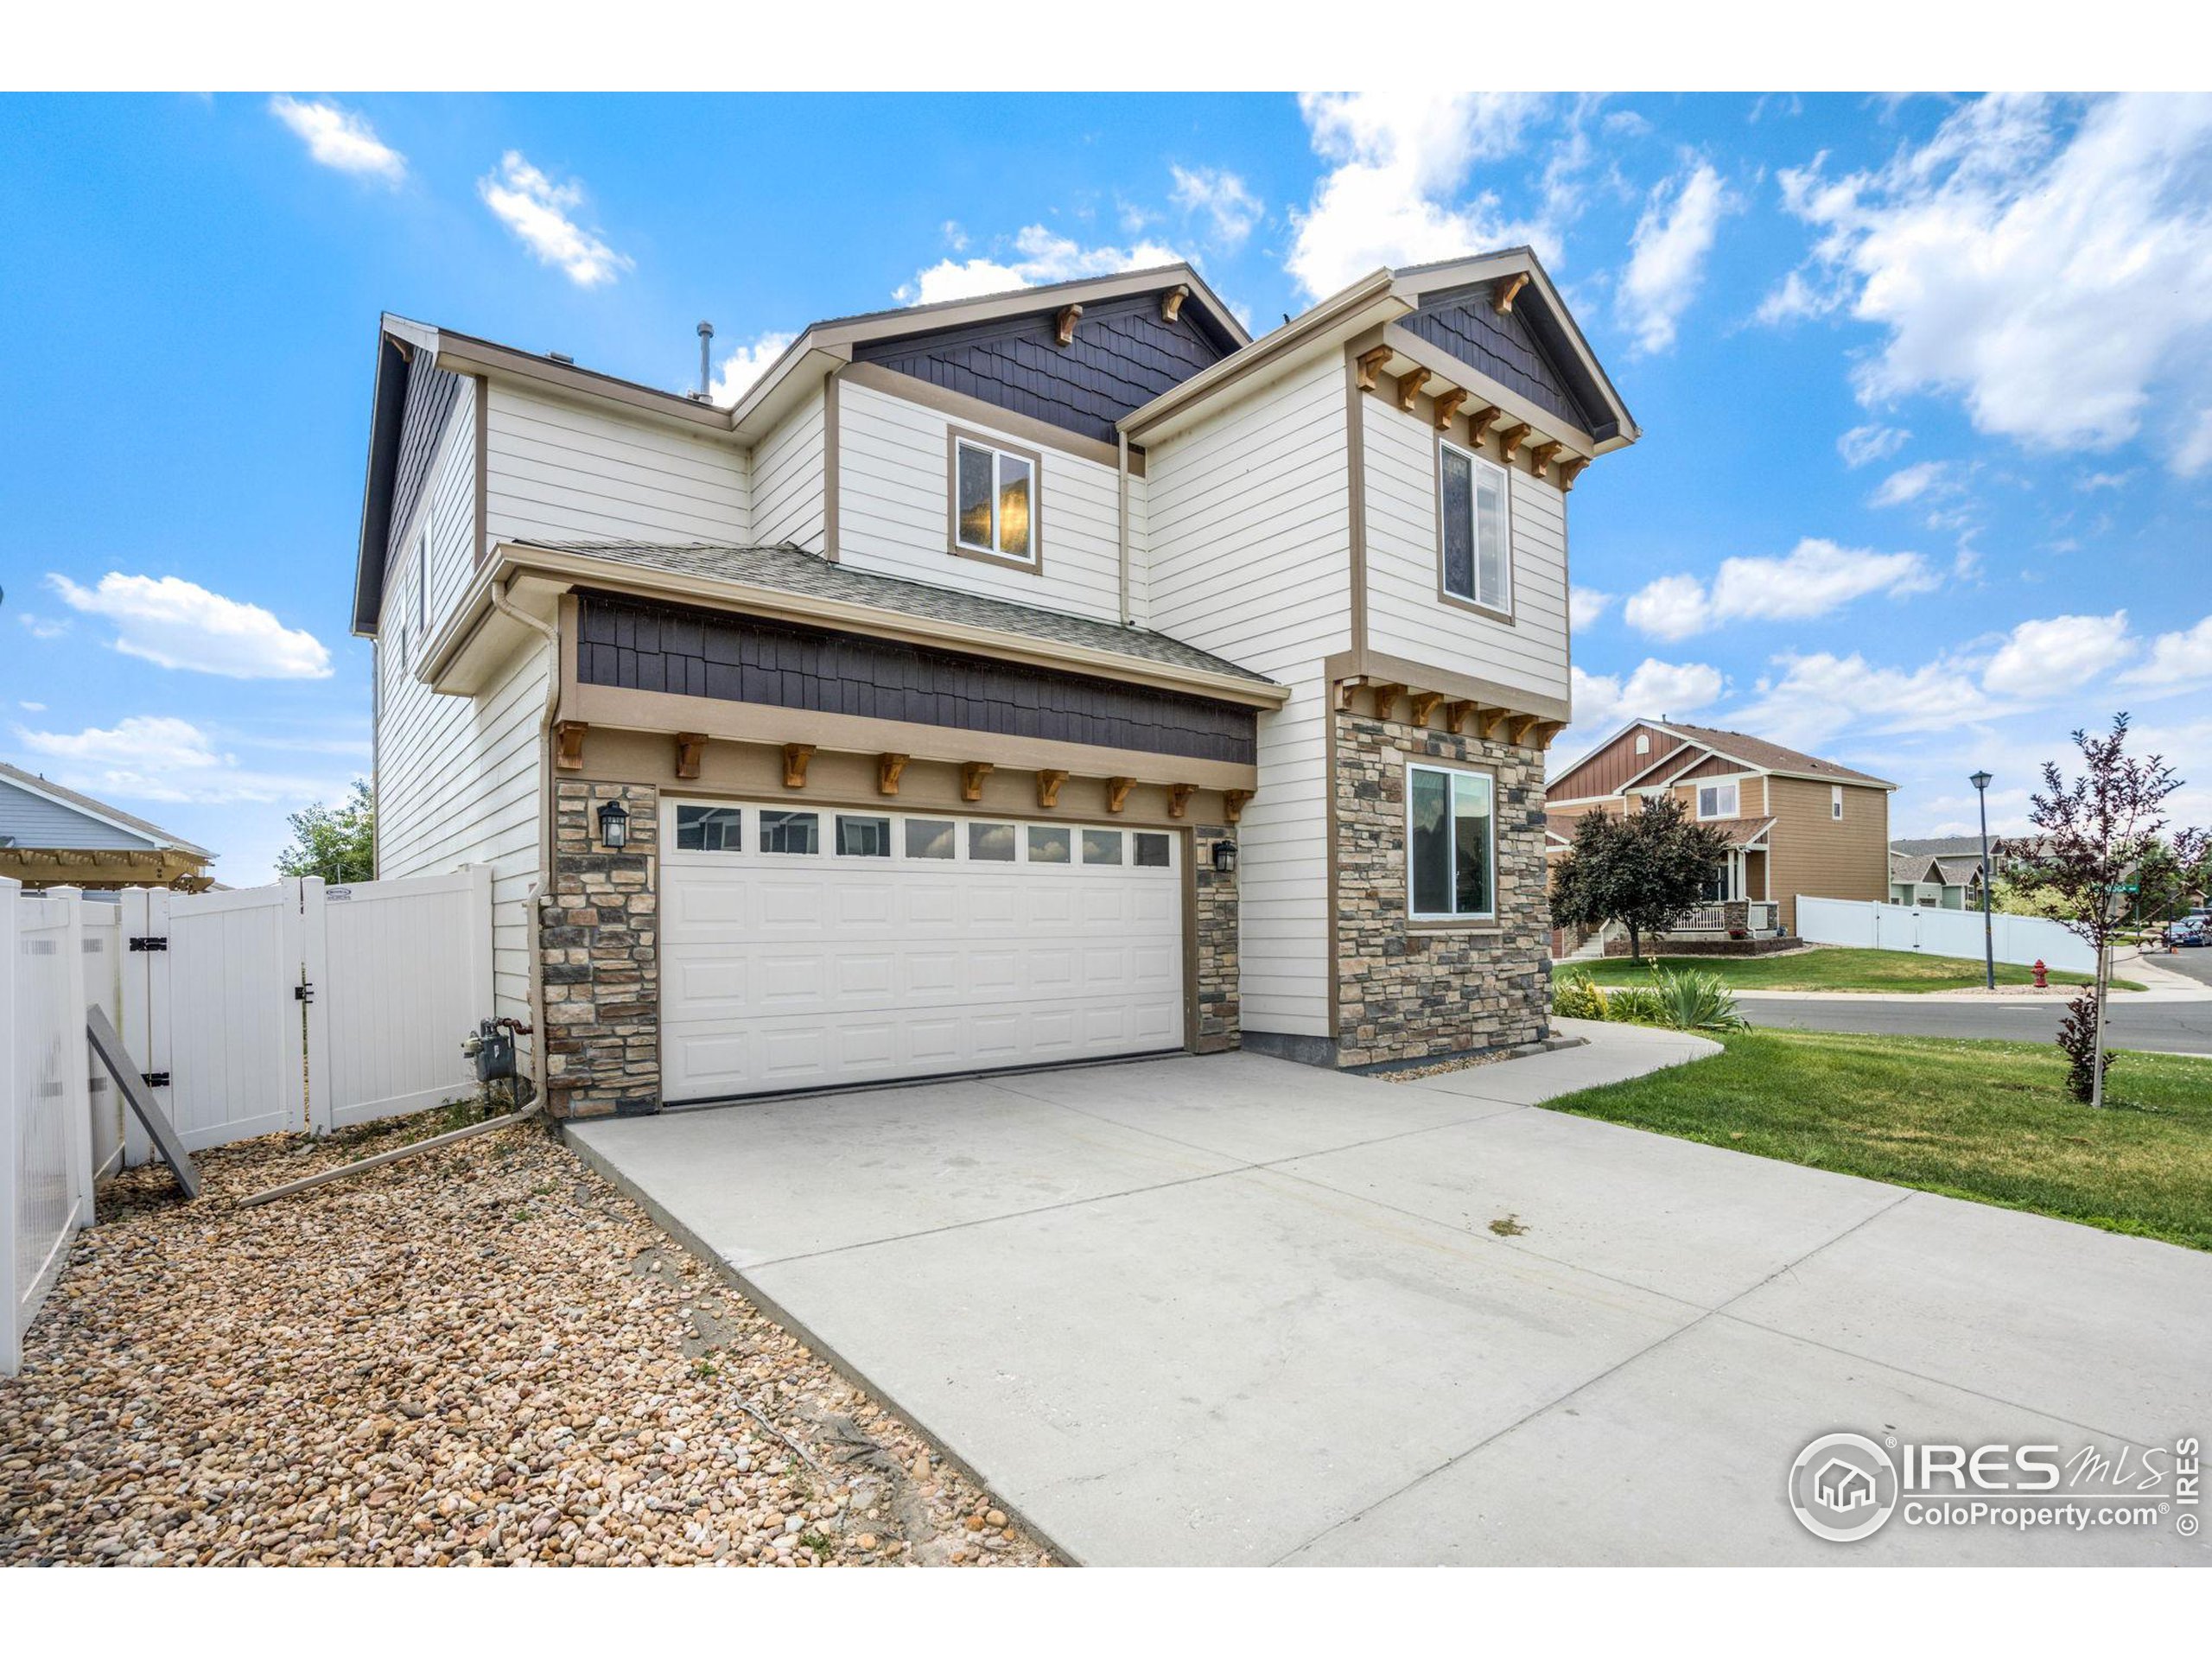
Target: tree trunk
x: 1634, y: 944
x: 2097, y: 1048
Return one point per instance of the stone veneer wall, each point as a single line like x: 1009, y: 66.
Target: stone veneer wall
x: 1410, y: 991
x: 1215, y: 921
x: 599, y: 934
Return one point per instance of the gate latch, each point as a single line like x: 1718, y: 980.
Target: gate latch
x: 155, y: 1079
x: 148, y: 942
x: 304, y: 991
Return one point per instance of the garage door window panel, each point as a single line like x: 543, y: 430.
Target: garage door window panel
x: 863, y: 837
x: 790, y: 832
x: 1048, y: 844
x: 928, y: 838
x: 990, y: 843
x: 709, y: 829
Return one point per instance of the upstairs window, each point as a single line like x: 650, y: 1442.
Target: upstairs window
x: 994, y: 502
x: 1718, y: 800
x: 1835, y: 801
x: 1477, y: 561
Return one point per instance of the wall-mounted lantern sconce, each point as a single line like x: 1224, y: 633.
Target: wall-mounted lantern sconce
x: 613, y: 826
x: 1224, y: 857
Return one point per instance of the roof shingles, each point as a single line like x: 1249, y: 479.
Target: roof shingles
x: 793, y: 569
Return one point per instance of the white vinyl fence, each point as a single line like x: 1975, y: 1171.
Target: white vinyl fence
x: 2022, y: 939
x: 284, y: 1007
x: 46, y: 1180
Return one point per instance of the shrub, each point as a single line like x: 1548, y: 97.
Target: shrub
x: 1639, y: 1004
x: 1575, y: 995
x: 1694, y: 1000
x: 2077, y: 1036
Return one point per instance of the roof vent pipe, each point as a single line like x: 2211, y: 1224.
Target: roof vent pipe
x: 706, y: 377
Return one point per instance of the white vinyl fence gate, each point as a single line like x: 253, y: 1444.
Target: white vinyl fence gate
x: 295, y: 1006
x: 2024, y: 940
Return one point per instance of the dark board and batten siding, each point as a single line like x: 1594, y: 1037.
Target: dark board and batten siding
x: 642, y: 647
x: 1508, y: 346
x: 430, y: 396
x: 1122, y: 357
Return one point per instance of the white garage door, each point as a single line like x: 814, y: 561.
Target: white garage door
x: 808, y: 947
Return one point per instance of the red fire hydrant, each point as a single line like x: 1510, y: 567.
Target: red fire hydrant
x: 2042, y: 976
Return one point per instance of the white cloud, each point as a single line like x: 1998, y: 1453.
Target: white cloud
x: 1865, y: 444
x: 1585, y: 605
x: 1908, y: 484
x: 1794, y: 299
x: 1820, y: 694
x: 1223, y: 197
x: 341, y: 138
x: 179, y: 623
x: 1814, y: 578
x: 1604, y: 701
x: 2176, y: 659
x: 2048, y: 656
x: 1668, y: 252
x: 537, y: 211
x: 1039, y: 256
x: 2054, y: 281
x: 745, y: 365
x: 2092, y: 482
x: 43, y: 627
x: 32, y: 707
x: 1398, y: 163
x: 161, y: 758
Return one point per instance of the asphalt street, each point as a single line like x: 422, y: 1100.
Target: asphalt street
x: 2168, y: 1027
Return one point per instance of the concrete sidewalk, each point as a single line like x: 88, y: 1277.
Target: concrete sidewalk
x: 1231, y: 1310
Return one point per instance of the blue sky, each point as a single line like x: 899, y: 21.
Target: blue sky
x: 1926, y: 383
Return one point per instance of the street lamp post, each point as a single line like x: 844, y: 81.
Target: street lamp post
x: 1981, y: 782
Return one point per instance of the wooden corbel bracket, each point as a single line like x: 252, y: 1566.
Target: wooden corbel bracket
x: 1385, y: 699
x: 1370, y: 363
x: 1447, y: 405
x: 1506, y: 289
x: 689, y: 746
x: 972, y: 773
x: 1542, y: 457
x: 1457, y: 716
x: 795, y: 756
x: 1048, y: 788
x: 1425, y: 705
x: 1178, y: 798
x: 1063, y: 324
x: 1409, y: 385
x: 1117, y: 792
x: 1232, y: 803
x: 1512, y: 438
x: 1491, y: 720
x: 568, y: 743
x: 887, y: 768
x: 1171, y: 302
x: 1570, y: 469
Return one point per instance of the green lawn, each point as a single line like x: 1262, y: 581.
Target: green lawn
x: 1985, y: 1120
x: 1836, y: 968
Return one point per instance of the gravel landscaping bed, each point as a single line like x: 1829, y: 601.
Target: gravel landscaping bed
x: 485, y: 1355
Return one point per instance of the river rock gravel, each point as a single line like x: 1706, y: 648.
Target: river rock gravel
x: 484, y: 1355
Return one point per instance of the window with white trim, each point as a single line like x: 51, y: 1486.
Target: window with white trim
x: 1470, y: 498
x: 1450, y: 844
x: 1835, y: 802
x: 1718, y: 800
x: 994, y: 493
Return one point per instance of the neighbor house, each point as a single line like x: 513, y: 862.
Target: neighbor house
x: 1040, y: 676
x: 1939, y: 872
x: 1796, y: 824
x: 54, y: 838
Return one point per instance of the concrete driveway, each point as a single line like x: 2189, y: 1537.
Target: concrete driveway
x: 1236, y: 1310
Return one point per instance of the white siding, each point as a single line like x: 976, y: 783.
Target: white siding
x: 446, y: 509
x: 1407, y: 619
x: 458, y: 778
x: 558, y: 470
x: 893, y: 509
x: 1249, y: 530
x: 787, y: 487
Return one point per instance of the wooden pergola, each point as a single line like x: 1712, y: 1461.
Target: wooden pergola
x: 107, y: 869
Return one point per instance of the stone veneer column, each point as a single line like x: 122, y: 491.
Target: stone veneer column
x: 1412, y: 992
x: 600, y: 936
x: 1215, y: 921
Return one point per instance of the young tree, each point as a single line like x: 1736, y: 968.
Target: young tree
x: 338, y: 843
x: 2095, y: 833
x: 1643, y: 871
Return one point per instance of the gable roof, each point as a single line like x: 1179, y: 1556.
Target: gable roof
x: 100, y: 811
x: 414, y: 358
x: 1395, y: 301
x: 794, y: 570
x: 1762, y: 756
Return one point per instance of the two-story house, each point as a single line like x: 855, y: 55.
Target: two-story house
x: 1043, y: 676
x: 1796, y: 823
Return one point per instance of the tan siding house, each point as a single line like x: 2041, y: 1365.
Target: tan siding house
x: 1796, y: 823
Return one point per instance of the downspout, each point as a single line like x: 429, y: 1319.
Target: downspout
x: 1121, y: 523
x: 542, y: 886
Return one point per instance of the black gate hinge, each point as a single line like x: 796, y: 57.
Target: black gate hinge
x: 155, y: 1079
x: 148, y: 942
x: 303, y: 992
